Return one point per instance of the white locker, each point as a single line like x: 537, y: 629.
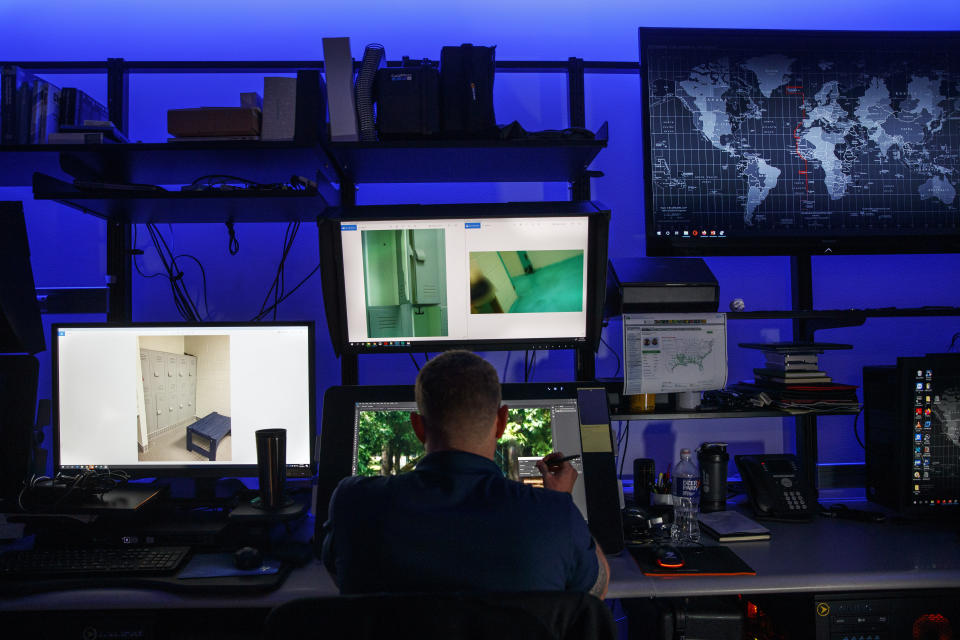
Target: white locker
x: 150, y: 407
x: 169, y: 389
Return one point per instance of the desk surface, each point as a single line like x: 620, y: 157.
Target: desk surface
x: 821, y: 556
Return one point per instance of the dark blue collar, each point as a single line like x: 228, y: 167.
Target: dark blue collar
x: 453, y: 461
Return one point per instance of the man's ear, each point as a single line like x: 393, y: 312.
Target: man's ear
x: 502, y: 420
x: 416, y: 421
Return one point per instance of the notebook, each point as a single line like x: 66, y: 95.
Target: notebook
x: 732, y: 526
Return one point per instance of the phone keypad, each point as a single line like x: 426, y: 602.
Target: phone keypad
x: 795, y: 500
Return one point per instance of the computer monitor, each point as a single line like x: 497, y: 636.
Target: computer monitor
x: 912, y: 429
x: 760, y: 142
x: 378, y: 439
x: 181, y: 399
x: 384, y: 443
x: 366, y: 430
x: 425, y: 278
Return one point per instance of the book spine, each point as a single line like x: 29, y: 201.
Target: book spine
x: 86, y: 108
x: 68, y: 98
x: 24, y: 109
x: 36, y: 111
x: 8, y: 114
x: 781, y: 373
x: 51, y: 119
x: 791, y: 360
x: 75, y: 138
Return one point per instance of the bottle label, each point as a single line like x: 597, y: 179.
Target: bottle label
x: 685, y: 487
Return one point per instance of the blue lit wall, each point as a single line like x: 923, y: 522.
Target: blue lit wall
x: 68, y: 247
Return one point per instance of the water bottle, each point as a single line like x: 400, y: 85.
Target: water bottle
x: 686, y: 497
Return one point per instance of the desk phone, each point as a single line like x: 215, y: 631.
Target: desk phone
x: 776, y: 486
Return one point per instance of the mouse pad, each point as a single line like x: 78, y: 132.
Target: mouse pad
x: 697, y: 561
x: 219, y: 565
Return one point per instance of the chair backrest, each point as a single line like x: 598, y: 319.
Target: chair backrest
x: 430, y: 616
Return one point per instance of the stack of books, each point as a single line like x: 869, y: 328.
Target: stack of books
x: 791, y: 368
x: 792, y: 381
x: 35, y: 111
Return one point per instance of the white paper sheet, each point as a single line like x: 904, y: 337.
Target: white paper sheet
x: 674, y: 352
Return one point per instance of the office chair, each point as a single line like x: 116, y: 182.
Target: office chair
x: 436, y: 616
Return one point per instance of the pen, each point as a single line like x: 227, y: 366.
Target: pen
x: 557, y: 463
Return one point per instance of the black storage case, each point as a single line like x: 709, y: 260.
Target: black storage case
x: 408, y: 102
x: 660, y: 285
x: 466, y: 93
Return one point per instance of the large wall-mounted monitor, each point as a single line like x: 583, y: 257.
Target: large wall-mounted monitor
x: 764, y: 142
x: 424, y: 278
x: 160, y: 400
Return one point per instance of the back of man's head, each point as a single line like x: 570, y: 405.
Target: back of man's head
x: 458, y: 394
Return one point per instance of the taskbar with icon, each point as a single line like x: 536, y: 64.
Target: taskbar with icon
x: 382, y: 343
x: 692, y: 233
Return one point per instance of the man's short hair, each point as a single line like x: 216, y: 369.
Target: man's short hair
x: 458, y: 395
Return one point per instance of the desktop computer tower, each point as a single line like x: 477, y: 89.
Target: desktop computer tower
x: 894, y: 615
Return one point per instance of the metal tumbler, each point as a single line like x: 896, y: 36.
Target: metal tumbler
x: 272, y: 466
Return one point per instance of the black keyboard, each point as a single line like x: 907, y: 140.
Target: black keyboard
x: 135, y: 561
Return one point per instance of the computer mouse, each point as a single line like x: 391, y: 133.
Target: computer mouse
x: 669, y: 557
x: 247, y: 558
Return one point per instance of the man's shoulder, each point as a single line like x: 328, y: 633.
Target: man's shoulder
x: 361, y: 483
x: 538, y: 498
x: 355, y: 487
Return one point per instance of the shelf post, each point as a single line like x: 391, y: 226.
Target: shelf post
x: 585, y: 361
x: 575, y: 88
x: 585, y: 364
x: 349, y: 369
x: 801, y: 286
x: 119, y: 273
x: 118, y: 93
x: 580, y: 185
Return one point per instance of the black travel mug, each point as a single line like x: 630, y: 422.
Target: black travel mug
x: 271, y: 466
x: 713, y: 459
x: 643, y: 479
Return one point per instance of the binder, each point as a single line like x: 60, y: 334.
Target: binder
x: 338, y: 65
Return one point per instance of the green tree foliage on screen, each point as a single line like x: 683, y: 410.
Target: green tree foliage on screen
x: 384, y: 437
x: 529, y: 431
x: 387, y: 445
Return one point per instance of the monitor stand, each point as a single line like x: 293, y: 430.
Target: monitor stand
x: 290, y: 510
x: 210, y: 492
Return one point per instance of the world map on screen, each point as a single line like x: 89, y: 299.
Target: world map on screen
x: 804, y: 140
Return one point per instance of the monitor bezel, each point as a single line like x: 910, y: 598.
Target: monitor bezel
x: 334, y: 289
x: 877, y: 242
x: 187, y: 471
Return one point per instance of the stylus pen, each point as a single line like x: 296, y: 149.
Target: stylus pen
x: 557, y: 463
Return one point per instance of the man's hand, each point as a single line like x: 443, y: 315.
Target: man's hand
x: 559, y: 476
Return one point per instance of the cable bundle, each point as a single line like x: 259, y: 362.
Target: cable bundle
x: 373, y: 57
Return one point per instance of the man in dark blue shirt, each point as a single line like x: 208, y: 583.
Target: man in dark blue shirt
x: 455, y: 523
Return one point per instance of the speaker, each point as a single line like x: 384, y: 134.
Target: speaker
x: 19, y: 375
x: 644, y: 475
